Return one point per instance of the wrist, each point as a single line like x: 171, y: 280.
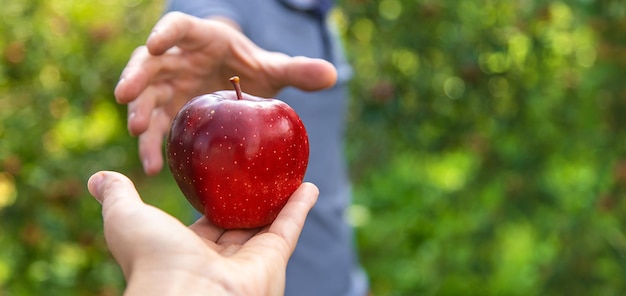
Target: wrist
x: 149, y: 282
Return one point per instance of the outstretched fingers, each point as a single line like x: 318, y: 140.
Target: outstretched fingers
x: 177, y: 29
x: 137, y: 74
x: 140, y: 110
x: 151, y: 142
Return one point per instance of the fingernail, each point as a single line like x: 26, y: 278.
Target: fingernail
x: 146, y: 164
x: 120, y: 82
x: 94, y: 184
x: 117, y: 88
x: 152, y: 34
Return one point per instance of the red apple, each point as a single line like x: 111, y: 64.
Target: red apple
x: 237, y: 158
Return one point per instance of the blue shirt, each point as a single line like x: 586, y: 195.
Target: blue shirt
x: 325, y: 261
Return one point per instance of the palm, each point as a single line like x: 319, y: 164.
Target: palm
x: 256, y: 256
x: 252, y: 260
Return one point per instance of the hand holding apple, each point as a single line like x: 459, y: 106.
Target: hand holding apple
x: 159, y: 255
x: 236, y: 157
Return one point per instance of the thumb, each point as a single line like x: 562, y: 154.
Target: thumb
x: 110, y: 188
x: 121, y: 206
x: 105, y: 185
x: 309, y: 74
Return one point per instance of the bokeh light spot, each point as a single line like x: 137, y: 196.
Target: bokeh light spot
x: 8, y: 191
x: 390, y: 9
x: 454, y: 87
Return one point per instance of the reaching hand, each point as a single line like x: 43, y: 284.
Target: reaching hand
x: 159, y: 255
x: 185, y: 57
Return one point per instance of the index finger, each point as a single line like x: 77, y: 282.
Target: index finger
x: 144, y: 69
x: 184, y: 31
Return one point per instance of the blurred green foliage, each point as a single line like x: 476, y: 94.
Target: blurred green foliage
x: 486, y: 144
x: 59, y: 62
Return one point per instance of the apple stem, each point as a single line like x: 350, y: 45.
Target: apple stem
x: 235, y: 81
